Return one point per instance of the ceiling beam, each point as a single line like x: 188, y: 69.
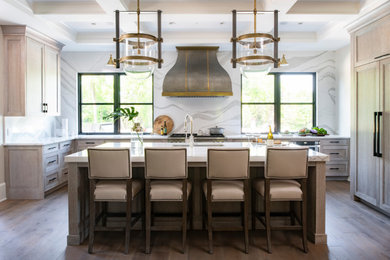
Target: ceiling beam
x: 325, y: 7
x: 81, y: 7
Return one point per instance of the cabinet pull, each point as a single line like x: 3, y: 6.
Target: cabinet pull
x: 378, y: 140
x: 334, y: 153
x: 334, y: 142
x: 51, y: 148
x: 53, y: 161
x: 52, y: 179
x: 65, y: 173
x: 90, y: 142
x: 381, y: 56
x: 66, y: 145
x: 334, y: 169
x: 375, y: 133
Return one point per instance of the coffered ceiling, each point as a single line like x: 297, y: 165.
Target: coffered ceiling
x: 88, y: 25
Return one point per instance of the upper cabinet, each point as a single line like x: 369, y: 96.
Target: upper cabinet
x: 372, y: 42
x: 32, y: 73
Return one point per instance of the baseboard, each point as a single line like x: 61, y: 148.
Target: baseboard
x: 2, y: 192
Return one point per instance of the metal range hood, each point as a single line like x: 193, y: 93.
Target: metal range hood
x: 197, y: 73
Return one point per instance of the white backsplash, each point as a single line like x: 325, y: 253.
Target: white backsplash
x: 207, y: 112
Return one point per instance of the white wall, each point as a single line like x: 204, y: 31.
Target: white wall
x: 207, y: 112
x: 2, y: 179
x: 343, y: 81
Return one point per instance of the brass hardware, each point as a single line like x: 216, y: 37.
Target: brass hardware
x: 111, y: 61
x: 126, y: 59
x: 197, y: 94
x: 283, y: 62
x: 196, y: 48
x: 244, y: 60
x: 138, y: 35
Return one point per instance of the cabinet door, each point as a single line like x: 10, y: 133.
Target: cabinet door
x: 367, y: 83
x: 51, y: 83
x: 34, y: 79
x: 14, y: 69
x: 385, y: 136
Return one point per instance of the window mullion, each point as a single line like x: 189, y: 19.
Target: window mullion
x: 277, y: 102
x: 116, y: 101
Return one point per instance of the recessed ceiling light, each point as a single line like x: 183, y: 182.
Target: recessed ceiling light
x: 300, y: 23
x: 172, y: 23
x: 93, y: 23
x: 221, y: 23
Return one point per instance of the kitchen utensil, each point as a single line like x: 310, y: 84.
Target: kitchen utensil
x: 216, y: 130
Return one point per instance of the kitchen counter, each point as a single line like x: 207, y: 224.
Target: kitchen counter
x: 78, y: 186
x: 242, y: 137
x: 197, y: 153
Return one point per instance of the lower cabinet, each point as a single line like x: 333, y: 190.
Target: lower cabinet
x: 32, y: 171
x: 338, y: 151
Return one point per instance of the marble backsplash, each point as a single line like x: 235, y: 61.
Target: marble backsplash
x: 211, y: 111
x: 207, y: 111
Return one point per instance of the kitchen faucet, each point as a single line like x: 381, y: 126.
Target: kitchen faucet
x: 189, y: 140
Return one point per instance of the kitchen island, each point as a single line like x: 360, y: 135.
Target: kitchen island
x: 78, y: 188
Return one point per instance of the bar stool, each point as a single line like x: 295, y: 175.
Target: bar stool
x: 166, y: 180
x: 227, y: 181
x: 110, y: 180
x: 285, y: 180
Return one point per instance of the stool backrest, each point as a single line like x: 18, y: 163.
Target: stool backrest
x: 286, y: 163
x: 228, y: 163
x: 166, y: 163
x: 109, y: 163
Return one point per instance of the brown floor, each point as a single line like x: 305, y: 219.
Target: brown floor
x: 38, y: 229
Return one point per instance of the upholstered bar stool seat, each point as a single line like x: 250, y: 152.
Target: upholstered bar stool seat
x: 115, y: 190
x: 226, y: 191
x: 168, y: 190
x: 280, y: 190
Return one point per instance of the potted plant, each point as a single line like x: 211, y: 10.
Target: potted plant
x: 127, y: 113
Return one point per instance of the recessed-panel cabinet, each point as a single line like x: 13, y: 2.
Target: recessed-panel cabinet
x: 32, y: 75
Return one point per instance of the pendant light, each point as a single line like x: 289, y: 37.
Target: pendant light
x: 142, y: 52
x: 111, y: 62
x: 256, y: 52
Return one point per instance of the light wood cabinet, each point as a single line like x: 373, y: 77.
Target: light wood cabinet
x: 367, y: 91
x: 338, y: 150
x: 366, y: 49
x: 32, y: 72
x: 32, y: 171
x: 384, y: 190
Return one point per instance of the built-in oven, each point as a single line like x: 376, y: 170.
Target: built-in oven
x: 313, y: 145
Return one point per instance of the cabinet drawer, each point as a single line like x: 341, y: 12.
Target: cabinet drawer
x: 334, y: 142
x: 64, y: 175
x: 51, y: 162
x: 336, y: 154
x: 66, y: 145
x: 336, y: 170
x: 84, y: 144
x: 50, y: 148
x: 51, y: 180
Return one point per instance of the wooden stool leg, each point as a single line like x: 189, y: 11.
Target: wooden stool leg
x: 292, y: 215
x: 246, y: 224
x: 147, y: 217
x: 128, y: 216
x: 254, y: 210
x: 91, y: 216
x: 303, y: 216
x: 209, y: 216
x: 184, y: 216
x: 267, y: 208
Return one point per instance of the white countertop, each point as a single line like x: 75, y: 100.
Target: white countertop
x: 51, y: 140
x: 194, y: 154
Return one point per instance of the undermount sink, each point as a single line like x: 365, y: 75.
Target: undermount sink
x: 198, y: 144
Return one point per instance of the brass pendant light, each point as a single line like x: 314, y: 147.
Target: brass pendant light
x: 141, y: 51
x: 256, y: 51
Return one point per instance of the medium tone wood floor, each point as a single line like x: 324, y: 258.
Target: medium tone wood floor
x: 38, y: 230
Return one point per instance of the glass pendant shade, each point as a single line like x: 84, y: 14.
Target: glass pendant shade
x: 140, y: 55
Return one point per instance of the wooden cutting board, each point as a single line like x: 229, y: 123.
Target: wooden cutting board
x: 159, y: 121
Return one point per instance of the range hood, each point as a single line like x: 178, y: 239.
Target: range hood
x: 197, y: 73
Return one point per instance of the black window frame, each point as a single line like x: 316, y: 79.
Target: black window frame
x: 277, y: 99
x: 116, y: 103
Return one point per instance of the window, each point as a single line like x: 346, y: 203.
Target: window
x: 286, y: 101
x: 101, y: 94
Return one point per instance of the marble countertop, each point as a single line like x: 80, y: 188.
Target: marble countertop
x: 51, y: 140
x: 197, y: 153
